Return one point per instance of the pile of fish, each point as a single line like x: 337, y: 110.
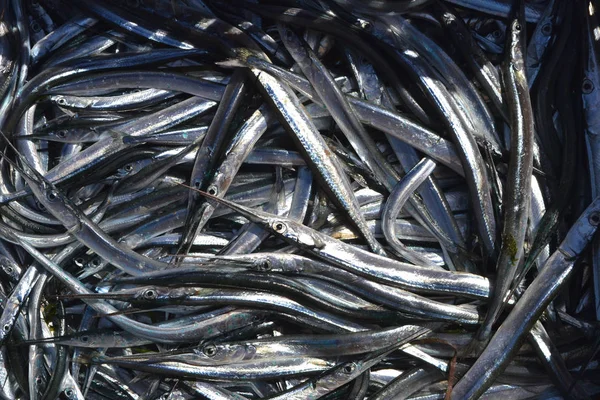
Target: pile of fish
x: 299, y: 199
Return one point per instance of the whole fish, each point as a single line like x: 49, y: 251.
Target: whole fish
x: 520, y: 167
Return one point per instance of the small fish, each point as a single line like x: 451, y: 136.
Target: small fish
x: 520, y: 167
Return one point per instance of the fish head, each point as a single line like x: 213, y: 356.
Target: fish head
x: 337, y: 377
x: 9, y: 268
x: 154, y: 294
x: 225, y: 352
x: 296, y: 233
x: 58, y: 204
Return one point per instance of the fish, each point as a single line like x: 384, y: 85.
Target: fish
x: 520, y: 167
x: 330, y: 199
x: 535, y: 299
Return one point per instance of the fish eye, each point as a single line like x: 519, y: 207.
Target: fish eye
x: 51, y: 195
x: 210, y: 350
x: 256, y: 318
x: 85, y: 339
x: 129, y: 168
x: 61, y: 134
x: 266, y: 265
x: 150, y: 294
x: 517, y: 27
x: 212, y: 190
x: 6, y: 327
x: 547, y: 29
x: 38, y: 380
x: 367, y: 26
x: 9, y: 269
x: 594, y: 218
x: 69, y: 393
x: 61, y: 101
x: 279, y: 227
x: 348, y: 369
x: 587, y: 87
x: 95, y: 262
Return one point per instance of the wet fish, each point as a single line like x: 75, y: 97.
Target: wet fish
x: 302, y: 200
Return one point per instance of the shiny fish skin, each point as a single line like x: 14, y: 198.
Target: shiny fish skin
x: 520, y: 167
x: 251, y: 371
x: 529, y: 307
x: 308, y: 346
x: 411, y: 181
x: 337, y: 105
x: 486, y: 73
x: 378, y: 117
x: 362, y: 262
x: 299, y: 200
x: 500, y: 8
x: 315, y: 147
x: 438, y: 217
x: 454, y: 117
x: 542, y: 36
x: 209, y: 150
